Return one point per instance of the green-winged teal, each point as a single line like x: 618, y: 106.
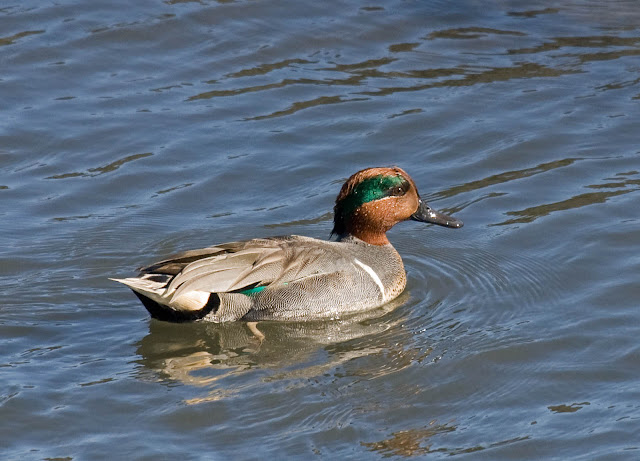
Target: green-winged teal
x: 295, y: 277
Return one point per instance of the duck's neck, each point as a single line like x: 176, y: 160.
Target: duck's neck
x: 369, y: 236
x: 366, y: 239
x: 373, y: 238
x: 370, y: 231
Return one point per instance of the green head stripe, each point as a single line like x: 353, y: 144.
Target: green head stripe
x: 371, y: 189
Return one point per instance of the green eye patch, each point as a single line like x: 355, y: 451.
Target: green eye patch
x: 371, y: 189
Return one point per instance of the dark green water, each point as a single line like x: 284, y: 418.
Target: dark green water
x: 131, y: 130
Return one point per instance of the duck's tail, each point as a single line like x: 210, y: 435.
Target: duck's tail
x: 152, y: 293
x: 148, y: 288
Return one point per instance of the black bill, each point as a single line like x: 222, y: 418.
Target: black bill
x: 425, y: 213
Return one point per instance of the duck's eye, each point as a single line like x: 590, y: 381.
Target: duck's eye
x: 397, y: 191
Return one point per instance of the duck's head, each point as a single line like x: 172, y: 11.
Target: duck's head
x: 372, y: 201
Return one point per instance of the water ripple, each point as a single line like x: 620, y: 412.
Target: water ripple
x: 12, y: 39
x: 620, y: 187
x: 459, y: 274
x: 97, y: 171
x: 522, y: 115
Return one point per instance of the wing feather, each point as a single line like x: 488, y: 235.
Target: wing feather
x: 237, y: 265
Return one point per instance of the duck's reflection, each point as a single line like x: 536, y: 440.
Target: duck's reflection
x: 218, y: 356
x: 412, y: 442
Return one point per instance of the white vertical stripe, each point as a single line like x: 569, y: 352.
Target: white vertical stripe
x: 373, y: 275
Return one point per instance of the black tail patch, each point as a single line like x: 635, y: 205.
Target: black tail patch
x: 160, y: 312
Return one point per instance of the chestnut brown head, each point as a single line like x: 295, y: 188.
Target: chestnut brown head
x: 372, y: 201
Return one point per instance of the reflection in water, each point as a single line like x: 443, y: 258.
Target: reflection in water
x: 532, y: 213
x: 172, y: 189
x: 266, y: 68
x: 12, y: 39
x: 405, y: 112
x: 598, y: 41
x: 411, y: 442
x: 97, y: 171
x: 368, y: 72
x: 567, y: 408
x: 384, y: 75
x: 300, y: 105
x: 472, y: 32
x: 363, y: 71
x: 498, y: 74
x: 533, y: 13
x: 505, y: 177
x: 620, y: 184
x: 403, y: 47
x: 217, y: 356
x: 381, y: 75
x: 287, y: 82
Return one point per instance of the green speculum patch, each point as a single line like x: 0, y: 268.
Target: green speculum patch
x: 371, y: 189
x: 252, y: 291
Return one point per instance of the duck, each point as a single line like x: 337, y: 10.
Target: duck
x: 296, y: 278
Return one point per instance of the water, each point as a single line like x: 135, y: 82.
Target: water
x: 130, y: 130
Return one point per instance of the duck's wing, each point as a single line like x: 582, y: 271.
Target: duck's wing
x: 185, y: 281
x: 225, y: 272
x: 177, y: 262
x: 245, y: 265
